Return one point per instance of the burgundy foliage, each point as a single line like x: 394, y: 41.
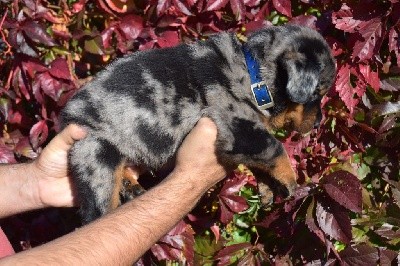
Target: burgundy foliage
x: 347, y: 206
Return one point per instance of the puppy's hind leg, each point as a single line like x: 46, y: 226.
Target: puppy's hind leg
x: 93, y: 163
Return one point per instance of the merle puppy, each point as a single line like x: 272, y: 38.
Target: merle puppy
x: 141, y: 107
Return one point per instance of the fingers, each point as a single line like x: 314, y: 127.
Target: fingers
x: 68, y: 136
x: 205, y: 132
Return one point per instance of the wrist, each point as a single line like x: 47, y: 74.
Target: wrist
x: 20, y: 191
x: 199, y: 178
x: 29, y: 190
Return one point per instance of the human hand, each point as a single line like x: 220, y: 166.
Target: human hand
x: 197, y: 154
x: 51, y: 183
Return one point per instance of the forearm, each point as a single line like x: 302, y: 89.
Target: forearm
x: 121, y: 237
x: 17, y: 189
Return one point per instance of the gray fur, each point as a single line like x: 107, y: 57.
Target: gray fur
x: 142, y: 106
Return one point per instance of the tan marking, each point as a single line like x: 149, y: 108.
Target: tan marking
x: 124, y: 171
x: 267, y: 196
x: 283, y: 172
x: 292, y: 118
x: 118, y: 177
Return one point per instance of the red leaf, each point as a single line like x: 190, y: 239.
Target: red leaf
x: 371, y: 32
x: 312, y: 226
x: 388, y: 257
x: 371, y: 77
x: 394, y: 43
x: 33, y: 66
x: 176, y: 245
x: 344, y: 188
x: 234, y: 203
x: 346, y: 91
x: 231, y: 250
x: 233, y: 185
x: 255, y: 25
x: 191, y: 2
x: 238, y: 9
x: 131, y: 26
x: 182, y: 7
x: 50, y: 86
x: 344, y: 20
x: 78, y: 6
x: 165, y: 252
x: 168, y: 39
x: 305, y: 20
x: 6, y: 155
x: 360, y: 255
x: 37, y: 33
x: 106, y: 36
x: 251, y: 3
x: 283, y: 6
x: 162, y: 6
x: 225, y: 214
x: 334, y: 222
x: 216, y: 232
x: 38, y: 134
x: 214, y: 5
x: 24, y: 148
x: 14, y: 117
x: 59, y: 69
x: 388, y: 123
x: 20, y: 83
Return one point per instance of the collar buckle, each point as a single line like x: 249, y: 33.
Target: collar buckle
x: 262, y: 95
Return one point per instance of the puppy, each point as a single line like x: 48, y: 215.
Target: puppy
x: 141, y: 107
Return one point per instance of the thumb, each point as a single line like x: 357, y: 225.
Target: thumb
x: 66, y: 138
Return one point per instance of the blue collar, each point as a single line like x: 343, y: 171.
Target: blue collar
x: 262, y: 95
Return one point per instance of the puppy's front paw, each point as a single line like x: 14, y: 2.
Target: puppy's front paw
x: 266, y: 194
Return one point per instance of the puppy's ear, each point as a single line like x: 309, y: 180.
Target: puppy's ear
x: 302, y: 76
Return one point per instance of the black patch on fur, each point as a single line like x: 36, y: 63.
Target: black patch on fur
x: 156, y: 141
x: 124, y: 80
x: 88, y: 109
x: 145, y: 97
x: 176, y: 117
x: 244, y: 130
x: 108, y: 154
x: 67, y: 118
x: 88, y: 209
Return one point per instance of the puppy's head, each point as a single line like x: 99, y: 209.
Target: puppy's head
x: 298, y: 66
